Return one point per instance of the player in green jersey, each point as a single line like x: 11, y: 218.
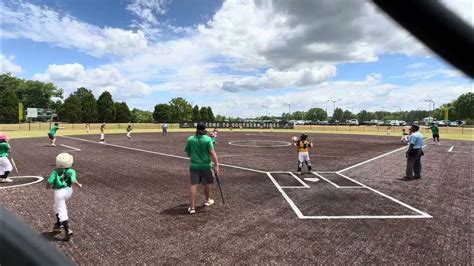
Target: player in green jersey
x: 52, y: 134
x: 61, y: 180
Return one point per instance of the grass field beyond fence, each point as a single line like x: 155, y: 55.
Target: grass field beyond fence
x: 26, y: 130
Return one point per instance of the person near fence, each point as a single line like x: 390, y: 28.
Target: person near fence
x: 435, y: 132
x: 413, y: 154
x: 102, y: 133
x: 164, y: 128
x: 129, y: 131
x: 5, y: 165
x: 200, y: 150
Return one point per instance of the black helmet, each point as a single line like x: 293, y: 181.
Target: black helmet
x: 304, y: 136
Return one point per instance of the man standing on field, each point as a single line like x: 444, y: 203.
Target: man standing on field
x: 200, y: 150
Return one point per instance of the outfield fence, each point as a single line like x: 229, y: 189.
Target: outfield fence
x: 395, y: 130
x: 45, y: 126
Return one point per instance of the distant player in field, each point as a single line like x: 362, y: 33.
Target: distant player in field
x: 303, y: 146
x: 164, y: 128
x: 405, y: 134
x: 213, y: 135
x: 88, y: 127
x: 389, y: 130
x: 61, y: 180
x: 52, y: 134
x: 102, y: 133
x: 435, y: 131
x: 5, y: 165
x: 129, y: 131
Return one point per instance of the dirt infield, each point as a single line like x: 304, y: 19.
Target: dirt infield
x: 132, y: 208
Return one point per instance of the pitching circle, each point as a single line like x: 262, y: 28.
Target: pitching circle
x: 38, y: 179
x: 260, y: 143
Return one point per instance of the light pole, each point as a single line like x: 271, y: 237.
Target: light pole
x: 289, y: 107
x: 399, y: 108
x: 429, y: 109
x: 334, y: 105
x: 266, y: 109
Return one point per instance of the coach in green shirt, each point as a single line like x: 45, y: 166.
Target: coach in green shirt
x: 200, y: 150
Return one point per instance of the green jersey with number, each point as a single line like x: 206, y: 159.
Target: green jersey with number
x: 4, y: 149
x: 198, y: 148
x: 61, y: 178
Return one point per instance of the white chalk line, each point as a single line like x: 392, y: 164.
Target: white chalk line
x: 453, y: 151
x: 285, y: 196
x: 282, y: 143
x: 389, y: 197
x: 162, y: 154
x: 38, y: 179
x: 69, y: 147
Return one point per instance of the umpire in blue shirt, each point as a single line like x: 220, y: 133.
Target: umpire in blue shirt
x: 414, y: 154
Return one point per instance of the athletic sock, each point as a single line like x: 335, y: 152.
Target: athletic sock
x: 57, y: 219
x: 66, y: 226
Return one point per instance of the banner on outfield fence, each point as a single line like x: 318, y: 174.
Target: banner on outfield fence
x: 266, y: 125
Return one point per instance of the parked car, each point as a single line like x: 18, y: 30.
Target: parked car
x: 374, y: 122
x: 394, y: 123
x: 441, y: 123
x: 453, y: 124
x: 353, y: 122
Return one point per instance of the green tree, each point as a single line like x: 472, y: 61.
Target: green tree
x: 298, y: 115
x: 139, y: 116
x: 464, y: 106
x: 8, y: 106
x: 38, y: 94
x: 180, y: 110
x: 70, y: 111
x: 338, y: 114
x: 122, y: 113
x: 89, y: 113
x: 210, y: 114
x: 316, y: 114
x: 161, y: 113
x: 204, y: 114
x: 196, y: 114
x: 106, y: 107
x: 347, y: 115
x: 221, y: 118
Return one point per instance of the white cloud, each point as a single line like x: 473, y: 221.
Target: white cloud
x: 42, y: 24
x: 7, y: 65
x: 274, y: 79
x: 72, y: 76
x: 418, y: 74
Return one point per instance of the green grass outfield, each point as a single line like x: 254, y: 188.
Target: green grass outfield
x: 466, y: 134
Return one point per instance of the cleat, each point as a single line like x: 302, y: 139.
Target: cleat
x: 191, y: 210
x: 68, y: 235
x: 54, y: 145
x: 298, y: 173
x: 6, y: 180
x: 209, y: 203
x: 57, y: 227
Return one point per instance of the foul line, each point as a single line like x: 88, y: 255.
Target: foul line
x: 162, y: 154
x: 288, y: 199
x: 76, y: 149
x: 39, y: 179
x: 373, y: 159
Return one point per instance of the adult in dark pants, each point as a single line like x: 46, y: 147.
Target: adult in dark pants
x: 200, y: 150
x: 414, y: 154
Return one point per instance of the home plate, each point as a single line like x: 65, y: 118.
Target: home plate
x: 314, y: 179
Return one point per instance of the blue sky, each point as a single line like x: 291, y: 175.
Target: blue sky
x: 233, y: 55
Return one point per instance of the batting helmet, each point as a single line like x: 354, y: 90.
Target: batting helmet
x: 64, y: 160
x: 3, y: 137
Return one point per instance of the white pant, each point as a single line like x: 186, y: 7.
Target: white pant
x: 102, y: 136
x: 303, y: 156
x: 60, y: 197
x: 5, y: 165
x: 128, y: 133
